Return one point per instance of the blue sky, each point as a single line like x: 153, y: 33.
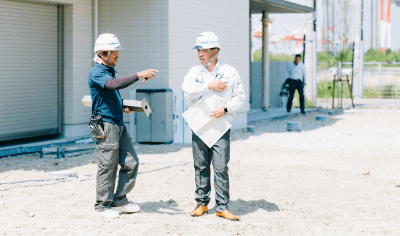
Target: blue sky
x: 296, y: 20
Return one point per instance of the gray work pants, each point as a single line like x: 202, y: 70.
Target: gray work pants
x: 115, y: 148
x: 219, y: 155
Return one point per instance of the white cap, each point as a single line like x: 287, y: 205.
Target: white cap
x: 107, y: 42
x: 207, y: 40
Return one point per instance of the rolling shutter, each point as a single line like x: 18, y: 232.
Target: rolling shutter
x: 28, y: 70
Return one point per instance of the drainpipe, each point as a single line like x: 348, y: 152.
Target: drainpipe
x: 95, y: 20
x: 95, y: 24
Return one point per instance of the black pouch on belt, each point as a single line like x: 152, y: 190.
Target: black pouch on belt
x: 96, y: 126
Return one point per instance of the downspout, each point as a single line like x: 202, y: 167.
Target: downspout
x: 95, y: 20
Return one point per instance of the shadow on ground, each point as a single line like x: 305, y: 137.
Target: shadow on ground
x: 241, y: 207
x: 238, y: 207
x: 161, y: 207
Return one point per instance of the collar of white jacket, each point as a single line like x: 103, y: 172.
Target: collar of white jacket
x: 216, y: 67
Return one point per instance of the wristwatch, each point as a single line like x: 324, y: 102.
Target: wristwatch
x: 225, y: 110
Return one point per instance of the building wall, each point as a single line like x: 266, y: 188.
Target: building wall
x: 230, y: 22
x: 155, y: 34
x: 142, y: 29
x: 78, y: 55
x: 276, y: 79
x: 277, y: 71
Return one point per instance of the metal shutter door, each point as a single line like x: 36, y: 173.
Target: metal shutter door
x: 28, y: 70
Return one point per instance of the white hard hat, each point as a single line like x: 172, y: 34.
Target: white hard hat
x: 207, y: 40
x: 107, y: 42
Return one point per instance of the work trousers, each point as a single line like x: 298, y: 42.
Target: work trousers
x: 219, y: 156
x: 115, y: 148
x: 293, y: 85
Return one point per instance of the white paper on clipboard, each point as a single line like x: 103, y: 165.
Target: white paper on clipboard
x: 209, y: 129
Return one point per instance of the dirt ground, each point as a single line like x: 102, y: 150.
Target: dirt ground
x: 336, y: 178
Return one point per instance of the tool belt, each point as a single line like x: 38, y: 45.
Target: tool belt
x: 96, y: 125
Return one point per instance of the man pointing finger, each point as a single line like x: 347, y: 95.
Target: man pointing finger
x: 114, y: 146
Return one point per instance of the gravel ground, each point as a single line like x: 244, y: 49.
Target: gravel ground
x: 340, y: 177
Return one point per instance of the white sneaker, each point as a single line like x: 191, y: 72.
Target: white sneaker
x: 108, y: 213
x: 130, y: 208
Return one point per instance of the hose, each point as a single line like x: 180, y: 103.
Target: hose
x: 60, y: 180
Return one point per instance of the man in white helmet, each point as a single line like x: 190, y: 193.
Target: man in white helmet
x: 219, y: 85
x: 115, y: 147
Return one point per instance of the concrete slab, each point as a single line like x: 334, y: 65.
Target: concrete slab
x: 255, y: 115
x: 361, y: 103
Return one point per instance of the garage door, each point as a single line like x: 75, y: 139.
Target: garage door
x: 28, y: 70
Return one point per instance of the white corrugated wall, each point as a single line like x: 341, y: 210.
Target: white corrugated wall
x: 28, y: 70
x: 142, y: 29
x: 78, y: 55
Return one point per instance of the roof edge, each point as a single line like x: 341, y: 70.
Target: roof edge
x: 295, y: 8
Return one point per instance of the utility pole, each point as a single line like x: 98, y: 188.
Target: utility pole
x: 309, y: 54
x: 372, y: 23
x: 358, y: 57
x: 315, y: 71
x: 361, y: 89
x: 376, y: 25
x: 323, y: 26
x: 333, y: 29
x: 304, y: 47
x: 383, y: 27
x: 265, y: 62
x: 345, y: 26
x: 327, y: 22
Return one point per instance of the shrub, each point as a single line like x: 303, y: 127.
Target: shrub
x: 325, y: 89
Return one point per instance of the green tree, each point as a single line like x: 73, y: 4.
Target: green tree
x: 326, y: 60
x: 373, y: 55
x: 345, y: 55
x: 282, y: 57
x: 258, y: 55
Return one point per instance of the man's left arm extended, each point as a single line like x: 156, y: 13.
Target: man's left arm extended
x: 121, y: 83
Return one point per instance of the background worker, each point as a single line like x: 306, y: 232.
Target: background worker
x: 296, y: 78
x: 219, y: 85
x: 116, y: 147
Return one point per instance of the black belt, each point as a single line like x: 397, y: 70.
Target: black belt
x: 296, y: 79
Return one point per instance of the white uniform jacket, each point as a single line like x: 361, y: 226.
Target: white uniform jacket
x: 195, y: 87
x: 294, y: 71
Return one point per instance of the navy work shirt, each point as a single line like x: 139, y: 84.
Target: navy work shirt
x: 105, y: 102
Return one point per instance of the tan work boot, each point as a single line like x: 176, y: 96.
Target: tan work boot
x: 227, y: 215
x: 200, y: 210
